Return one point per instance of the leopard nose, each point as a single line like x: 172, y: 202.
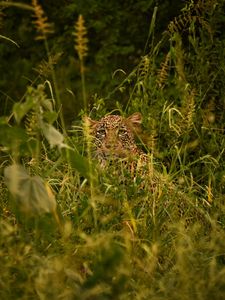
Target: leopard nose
x: 110, y: 141
x: 109, y: 146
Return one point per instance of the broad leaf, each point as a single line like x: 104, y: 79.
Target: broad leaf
x: 32, y: 195
x: 50, y: 116
x: 80, y: 163
x: 54, y: 137
x: 21, y: 109
x: 12, y: 135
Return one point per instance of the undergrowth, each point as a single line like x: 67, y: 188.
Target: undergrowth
x: 69, y: 230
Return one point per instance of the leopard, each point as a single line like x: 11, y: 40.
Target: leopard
x: 114, y: 138
x: 115, y: 149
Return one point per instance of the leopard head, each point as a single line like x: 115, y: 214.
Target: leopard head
x: 113, y: 136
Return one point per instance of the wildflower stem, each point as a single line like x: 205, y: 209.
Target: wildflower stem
x: 83, y: 85
x: 57, y: 96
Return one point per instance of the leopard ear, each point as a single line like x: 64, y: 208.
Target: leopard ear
x: 135, y: 118
x: 89, y: 122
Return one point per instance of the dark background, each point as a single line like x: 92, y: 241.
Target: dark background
x: 117, y: 33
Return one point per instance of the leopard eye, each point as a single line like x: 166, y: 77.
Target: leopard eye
x: 101, y: 133
x: 122, y: 132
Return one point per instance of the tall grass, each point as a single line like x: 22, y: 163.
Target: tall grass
x: 70, y: 232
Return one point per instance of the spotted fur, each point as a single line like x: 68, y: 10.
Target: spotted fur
x: 115, y: 149
x: 113, y: 138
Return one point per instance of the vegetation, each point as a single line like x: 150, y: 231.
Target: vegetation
x: 69, y: 230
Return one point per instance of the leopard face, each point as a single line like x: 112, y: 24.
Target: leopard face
x: 114, y: 147
x: 123, y: 162
x: 113, y: 136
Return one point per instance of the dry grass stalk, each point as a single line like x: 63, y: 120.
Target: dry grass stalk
x: 81, y: 40
x: 43, y: 27
x: 163, y: 72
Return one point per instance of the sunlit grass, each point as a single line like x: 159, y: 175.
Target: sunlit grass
x: 138, y: 249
